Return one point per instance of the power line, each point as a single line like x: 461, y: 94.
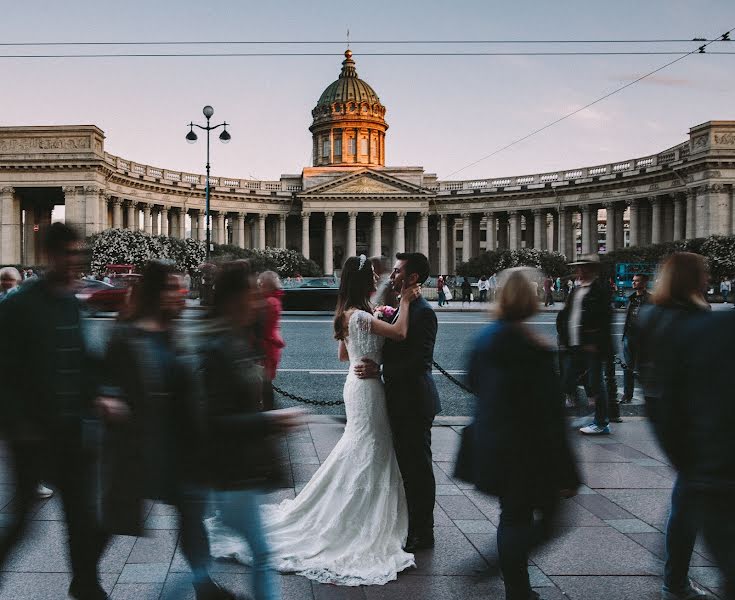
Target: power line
x: 681, y: 53
x: 701, y: 49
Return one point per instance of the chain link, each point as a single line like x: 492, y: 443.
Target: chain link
x: 303, y: 400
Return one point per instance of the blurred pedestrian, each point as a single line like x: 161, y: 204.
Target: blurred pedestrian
x: 636, y: 300
x: 447, y: 290
x: 725, y: 289
x: 493, y: 282
x: 47, y: 404
x: 155, y: 424
x: 688, y: 398
x: 241, y: 457
x: 9, y: 282
x: 483, y: 286
x: 548, y: 289
x: 511, y: 371
x: 440, y: 291
x: 466, y: 290
x: 584, y: 329
x: 272, y: 341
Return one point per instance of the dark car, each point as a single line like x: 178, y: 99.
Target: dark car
x: 314, y: 293
x: 112, y: 296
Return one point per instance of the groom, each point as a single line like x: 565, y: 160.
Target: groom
x: 412, y: 400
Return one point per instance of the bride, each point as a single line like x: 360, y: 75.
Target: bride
x: 349, y: 523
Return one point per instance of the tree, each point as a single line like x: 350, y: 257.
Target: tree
x: 551, y: 263
x: 286, y: 263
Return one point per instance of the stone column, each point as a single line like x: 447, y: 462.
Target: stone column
x: 466, y: 236
x: 91, y: 218
x: 376, y: 247
x: 9, y: 226
x: 635, y: 224
x: 424, y: 234
x: 491, y: 232
x: 443, y: 249
x: 305, y: 233
x: 718, y: 209
x: 181, y: 224
x: 679, y: 216
x: 328, y: 244
x: 282, y: 231
x: 514, y: 230
x: 164, y: 220
x: 690, y: 228
x: 261, y: 230
x: 503, y: 227
x: 610, y: 226
x: 566, y: 233
x: 148, y: 218
x: 155, y: 227
x: 539, y: 227
x: 619, y: 225
x: 104, y: 213
x: 351, y: 234
x: 117, y: 221
x: 399, y: 242
x: 240, y: 220
x: 132, y: 209
x: 657, y: 220
x: 202, y: 225
x: 586, y: 228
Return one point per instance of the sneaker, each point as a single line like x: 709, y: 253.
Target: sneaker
x: 43, y: 492
x: 691, y: 592
x: 594, y: 429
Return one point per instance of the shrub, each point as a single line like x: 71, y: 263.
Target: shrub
x: 487, y: 263
x: 286, y: 263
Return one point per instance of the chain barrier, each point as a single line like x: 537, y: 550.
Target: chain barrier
x: 303, y: 400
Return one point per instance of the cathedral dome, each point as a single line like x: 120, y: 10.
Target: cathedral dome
x: 349, y: 122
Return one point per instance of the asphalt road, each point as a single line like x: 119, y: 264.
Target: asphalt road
x: 310, y: 368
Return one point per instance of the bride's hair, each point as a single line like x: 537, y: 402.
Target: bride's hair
x: 356, y: 285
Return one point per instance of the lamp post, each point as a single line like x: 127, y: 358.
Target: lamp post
x: 224, y: 137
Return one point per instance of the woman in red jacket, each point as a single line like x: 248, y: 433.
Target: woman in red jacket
x: 273, y: 344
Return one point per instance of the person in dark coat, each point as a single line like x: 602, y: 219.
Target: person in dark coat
x: 152, y: 405
x: 47, y: 405
x: 584, y: 329
x: 241, y: 457
x: 412, y: 400
x: 512, y: 374
x: 685, y: 383
x: 636, y: 300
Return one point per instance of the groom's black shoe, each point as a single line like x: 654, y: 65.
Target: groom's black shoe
x: 419, y: 542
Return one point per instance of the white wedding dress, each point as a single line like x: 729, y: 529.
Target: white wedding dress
x: 349, y: 523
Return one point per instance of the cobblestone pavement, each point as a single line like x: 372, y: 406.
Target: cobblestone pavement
x: 611, y: 547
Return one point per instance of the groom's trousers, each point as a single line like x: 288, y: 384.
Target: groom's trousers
x: 412, y: 443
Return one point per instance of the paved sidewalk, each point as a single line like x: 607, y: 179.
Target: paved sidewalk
x: 611, y: 547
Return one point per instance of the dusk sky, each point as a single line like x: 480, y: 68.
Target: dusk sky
x: 443, y: 112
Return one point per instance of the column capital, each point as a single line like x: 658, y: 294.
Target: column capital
x: 654, y: 200
x: 305, y: 214
x: 130, y: 203
x: 69, y: 189
x: 586, y: 208
x: 91, y: 189
x: 262, y: 216
x: 608, y: 205
x: 329, y: 214
x: 377, y: 214
x: 680, y: 196
x: 116, y: 201
x: 714, y: 188
x: 7, y: 190
x: 163, y: 209
x: 282, y: 216
x: 242, y: 216
x: 489, y: 214
x: 401, y: 214
x: 424, y: 213
x: 353, y: 214
x: 538, y: 211
x: 513, y: 213
x: 106, y: 195
x: 443, y: 217
x: 146, y: 207
x: 466, y: 215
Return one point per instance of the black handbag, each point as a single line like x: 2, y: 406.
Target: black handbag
x: 464, y: 468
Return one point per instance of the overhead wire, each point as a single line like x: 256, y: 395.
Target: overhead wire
x: 725, y: 37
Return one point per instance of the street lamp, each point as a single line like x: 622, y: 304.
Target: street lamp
x: 224, y: 137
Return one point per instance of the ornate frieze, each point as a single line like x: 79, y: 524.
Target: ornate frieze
x: 44, y: 144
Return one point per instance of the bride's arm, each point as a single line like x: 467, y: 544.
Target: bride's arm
x: 342, y: 352
x: 399, y: 330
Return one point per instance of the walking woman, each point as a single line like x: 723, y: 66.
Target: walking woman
x: 241, y: 456
x: 677, y: 301
x: 152, y: 407
x: 511, y: 372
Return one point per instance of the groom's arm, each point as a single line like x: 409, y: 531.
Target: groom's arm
x: 420, y: 353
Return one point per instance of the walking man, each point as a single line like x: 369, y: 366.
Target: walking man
x: 631, y: 342
x: 548, y: 287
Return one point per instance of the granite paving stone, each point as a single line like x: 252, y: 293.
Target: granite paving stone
x: 459, y: 507
x: 651, y: 506
x: 137, y: 591
x: 609, y: 588
x: 621, y: 475
x: 655, y: 542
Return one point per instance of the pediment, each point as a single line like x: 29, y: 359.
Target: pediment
x: 368, y: 183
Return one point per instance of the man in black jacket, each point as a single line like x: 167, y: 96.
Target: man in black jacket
x: 413, y: 401
x: 584, y: 326
x: 636, y: 300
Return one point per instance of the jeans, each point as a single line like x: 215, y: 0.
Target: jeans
x: 190, y: 503
x: 681, y: 533
x: 519, y: 532
x: 717, y: 519
x: 578, y: 361
x: 240, y: 511
x: 483, y: 295
x: 630, y: 356
x: 442, y: 298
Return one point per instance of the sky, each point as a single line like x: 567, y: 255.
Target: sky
x: 444, y: 113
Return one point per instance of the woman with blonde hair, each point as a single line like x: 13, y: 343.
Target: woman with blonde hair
x: 678, y: 297
x: 511, y: 372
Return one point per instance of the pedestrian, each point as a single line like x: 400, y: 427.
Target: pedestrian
x: 152, y: 406
x: 10, y: 280
x: 548, y: 287
x: 49, y: 380
x: 440, y: 291
x: 466, y: 291
x: 483, y: 286
x: 493, y: 281
x: 557, y: 284
x: 240, y: 454
x: 511, y: 372
x: 636, y: 300
x: 584, y: 327
x: 725, y: 289
x: 447, y: 291
x: 271, y: 339
x: 688, y: 399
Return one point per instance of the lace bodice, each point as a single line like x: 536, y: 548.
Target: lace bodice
x: 361, y: 342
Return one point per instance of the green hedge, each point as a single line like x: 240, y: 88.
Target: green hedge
x: 286, y: 263
x: 487, y: 263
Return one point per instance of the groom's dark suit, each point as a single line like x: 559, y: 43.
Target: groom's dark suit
x: 412, y: 404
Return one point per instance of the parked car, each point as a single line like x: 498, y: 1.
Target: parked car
x: 313, y: 293
x: 87, y: 287
x: 112, y: 296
